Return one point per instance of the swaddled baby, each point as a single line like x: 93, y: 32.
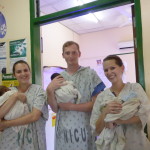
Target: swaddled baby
x: 19, y: 109
x: 67, y: 92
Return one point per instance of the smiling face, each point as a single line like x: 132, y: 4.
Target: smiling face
x: 22, y: 73
x: 113, y: 71
x: 71, y: 54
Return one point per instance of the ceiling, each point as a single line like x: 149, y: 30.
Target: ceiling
x: 102, y: 20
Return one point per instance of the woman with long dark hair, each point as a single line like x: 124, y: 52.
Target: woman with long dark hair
x: 33, y: 137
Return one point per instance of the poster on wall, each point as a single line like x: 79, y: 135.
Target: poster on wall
x: 18, y: 48
x: 99, y: 62
x: 9, y: 80
x: 2, y: 49
x: 13, y: 60
x: 2, y: 57
x: 3, y: 27
x: 2, y: 65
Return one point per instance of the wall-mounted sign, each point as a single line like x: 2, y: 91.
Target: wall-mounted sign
x: 18, y: 48
x: 3, y: 27
x: 3, y: 57
x: 2, y: 49
x: 9, y: 80
x: 2, y: 65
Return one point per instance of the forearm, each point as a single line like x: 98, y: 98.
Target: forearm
x: 26, y: 119
x: 84, y: 107
x: 4, y: 109
x: 52, y: 101
x: 132, y: 120
x: 100, y: 124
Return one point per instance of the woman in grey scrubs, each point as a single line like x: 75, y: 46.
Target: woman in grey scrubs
x: 33, y: 136
x: 126, y: 133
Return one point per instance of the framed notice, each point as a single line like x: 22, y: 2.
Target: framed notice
x: 2, y: 57
x: 18, y: 48
x: 2, y: 49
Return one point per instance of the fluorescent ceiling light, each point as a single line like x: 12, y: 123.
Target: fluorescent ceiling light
x: 91, y: 17
x: 82, y: 2
x: 87, y: 1
x: 79, y: 2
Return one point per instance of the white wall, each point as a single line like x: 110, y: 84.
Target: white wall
x: 17, y: 17
x: 54, y: 36
x: 105, y: 42
x: 92, y: 45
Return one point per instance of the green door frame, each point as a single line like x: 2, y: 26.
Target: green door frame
x: 98, y: 5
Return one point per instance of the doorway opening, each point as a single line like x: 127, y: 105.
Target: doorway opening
x: 69, y: 13
x: 96, y: 42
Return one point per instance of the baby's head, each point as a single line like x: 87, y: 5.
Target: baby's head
x: 3, y: 89
x: 54, y: 75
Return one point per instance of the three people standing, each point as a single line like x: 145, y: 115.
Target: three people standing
x: 73, y: 130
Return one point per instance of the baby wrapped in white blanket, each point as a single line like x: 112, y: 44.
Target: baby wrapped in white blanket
x: 19, y: 109
x: 114, y: 139
x: 67, y: 92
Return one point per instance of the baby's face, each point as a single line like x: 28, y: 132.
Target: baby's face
x: 60, y: 76
x: 3, y: 90
x: 6, y: 89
